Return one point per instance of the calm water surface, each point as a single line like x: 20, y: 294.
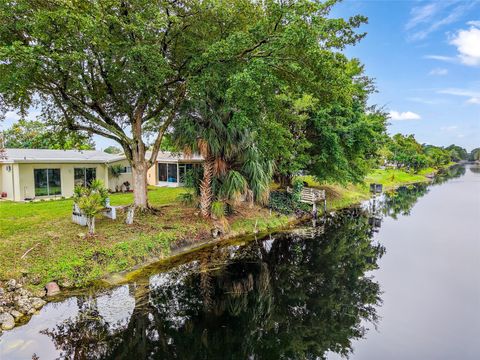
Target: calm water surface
x: 398, y: 279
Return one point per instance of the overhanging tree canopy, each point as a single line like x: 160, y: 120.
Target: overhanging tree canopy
x: 121, y: 69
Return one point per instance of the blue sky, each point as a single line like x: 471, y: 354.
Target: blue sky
x: 425, y: 58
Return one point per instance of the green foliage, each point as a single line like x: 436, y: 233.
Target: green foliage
x: 234, y: 185
x: 115, y: 170
x: 282, y: 202
x: 475, y: 155
x: 297, y: 185
x: 187, y: 198
x: 168, y: 143
x: 286, y: 203
x: 91, y: 200
x: 457, y: 153
x: 238, y: 167
x: 112, y: 67
x: 406, y: 153
x: 113, y: 150
x: 331, y: 133
x: 33, y: 134
x: 218, y: 209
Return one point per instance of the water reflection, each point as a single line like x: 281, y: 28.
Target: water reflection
x: 297, y: 295
x: 475, y: 169
x: 401, y: 201
x: 285, y: 297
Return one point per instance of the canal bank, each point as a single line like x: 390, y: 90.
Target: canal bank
x: 94, y: 268
x: 301, y: 293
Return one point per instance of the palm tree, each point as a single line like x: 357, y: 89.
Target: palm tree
x: 233, y: 167
x: 91, y: 200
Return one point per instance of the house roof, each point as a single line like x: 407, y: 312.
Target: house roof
x: 44, y: 155
x: 174, y: 156
x: 81, y: 156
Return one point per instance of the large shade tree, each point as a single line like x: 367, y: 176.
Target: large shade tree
x: 121, y: 69
x: 332, y: 133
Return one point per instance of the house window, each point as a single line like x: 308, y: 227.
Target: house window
x: 167, y: 172
x: 84, y: 176
x: 183, y: 170
x: 126, y: 170
x: 47, y: 182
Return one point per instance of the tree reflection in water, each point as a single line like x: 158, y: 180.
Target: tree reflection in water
x: 297, y: 295
x: 475, y: 169
x: 284, y: 297
x: 402, y: 200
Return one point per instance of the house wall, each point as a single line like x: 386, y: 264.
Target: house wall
x: 114, y: 182
x: 27, y: 182
x: 6, y: 180
x: 152, y: 175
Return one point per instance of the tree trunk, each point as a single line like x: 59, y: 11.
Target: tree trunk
x: 285, y: 180
x: 139, y: 173
x: 206, y: 195
x: 91, y: 225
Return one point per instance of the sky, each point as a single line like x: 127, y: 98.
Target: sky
x: 425, y: 59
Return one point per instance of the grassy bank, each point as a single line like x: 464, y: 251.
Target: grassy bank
x: 59, y: 249
x: 342, y: 196
x: 39, y: 241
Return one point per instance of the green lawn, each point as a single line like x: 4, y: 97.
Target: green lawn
x: 62, y: 252
x: 341, y: 196
x: 18, y: 218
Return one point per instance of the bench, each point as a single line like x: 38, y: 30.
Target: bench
x: 313, y: 197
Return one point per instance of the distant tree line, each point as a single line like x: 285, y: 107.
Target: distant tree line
x: 34, y: 134
x: 405, y: 152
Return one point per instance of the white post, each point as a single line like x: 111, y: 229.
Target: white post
x: 178, y: 174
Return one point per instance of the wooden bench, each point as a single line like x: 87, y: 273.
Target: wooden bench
x: 313, y: 197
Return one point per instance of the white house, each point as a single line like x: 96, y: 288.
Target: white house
x: 28, y: 174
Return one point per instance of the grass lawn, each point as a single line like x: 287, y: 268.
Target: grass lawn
x: 59, y: 249
x: 341, y: 196
x: 62, y: 252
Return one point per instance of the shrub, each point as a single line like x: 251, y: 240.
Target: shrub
x: 282, y: 202
x: 297, y: 189
x: 187, y: 198
x: 286, y: 203
x: 91, y: 200
x: 218, y: 209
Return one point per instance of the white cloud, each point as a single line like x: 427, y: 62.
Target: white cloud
x: 474, y: 100
x: 438, y: 72
x: 421, y: 14
x: 434, y: 15
x: 468, y: 45
x: 407, y: 115
x: 441, y: 58
x: 473, y: 96
x: 475, y: 23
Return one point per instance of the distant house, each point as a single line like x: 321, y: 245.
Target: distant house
x: 28, y: 174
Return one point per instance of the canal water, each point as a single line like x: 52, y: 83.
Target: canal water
x: 397, y: 278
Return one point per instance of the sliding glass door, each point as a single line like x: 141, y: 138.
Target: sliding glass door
x: 47, y: 182
x: 84, y: 176
x: 183, y: 170
x: 167, y: 172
